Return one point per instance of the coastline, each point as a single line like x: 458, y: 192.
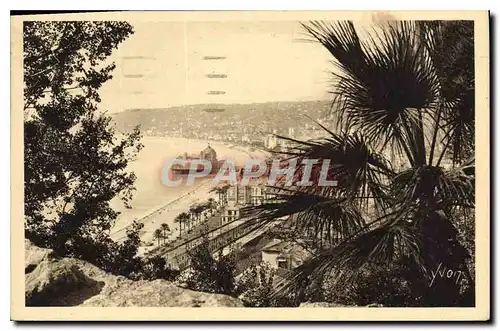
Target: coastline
x: 148, y: 204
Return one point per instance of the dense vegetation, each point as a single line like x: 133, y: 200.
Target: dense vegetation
x: 74, y: 162
x: 208, y: 273
x: 216, y: 273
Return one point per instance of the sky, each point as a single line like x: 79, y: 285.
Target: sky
x: 162, y: 64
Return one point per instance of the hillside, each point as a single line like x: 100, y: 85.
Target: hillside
x: 224, y: 122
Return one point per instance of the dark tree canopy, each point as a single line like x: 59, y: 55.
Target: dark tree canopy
x: 74, y: 161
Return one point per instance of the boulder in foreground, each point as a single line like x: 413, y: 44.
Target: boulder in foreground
x: 54, y: 281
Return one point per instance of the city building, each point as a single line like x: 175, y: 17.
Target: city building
x: 254, y: 194
x: 230, y: 214
x: 283, y: 255
x: 238, y: 195
x: 271, y: 141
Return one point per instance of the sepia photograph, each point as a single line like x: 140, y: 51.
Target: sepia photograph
x: 316, y: 165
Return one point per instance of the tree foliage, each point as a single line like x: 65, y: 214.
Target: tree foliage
x: 255, y: 287
x: 74, y: 161
x: 208, y: 273
x: 156, y: 267
x: 404, y: 93
x: 375, y: 284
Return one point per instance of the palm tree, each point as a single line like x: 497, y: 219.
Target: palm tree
x: 212, y: 204
x: 182, y: 219
x: 203, y: 211
x: 187, y: 219
x: 178, y: 219
x: 406, y: 90
x: 192, y: 213
x: 196, y: 211
x: 158, y: 235
x: 222, y: 194
x: 165, y: 228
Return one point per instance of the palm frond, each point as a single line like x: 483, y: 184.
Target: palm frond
x: 395, y: 241
x: 382, y: 85
x: 459, y: 127
x: 360, y: 172
x: 444, y: 188
x: 450, y: 45
x: 330, y: 221
x: 457, y: 186
x: 285, y: 202
x: 327, y: 219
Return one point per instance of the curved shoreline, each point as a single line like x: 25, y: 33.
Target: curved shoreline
x: 157, y: 211
x: 166, y: 212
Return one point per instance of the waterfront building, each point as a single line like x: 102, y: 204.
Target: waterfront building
x: 208, y: 154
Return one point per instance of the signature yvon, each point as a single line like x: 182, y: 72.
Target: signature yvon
x: 445, y: 273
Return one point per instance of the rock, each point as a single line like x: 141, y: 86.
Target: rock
x: 34, y: 255
x: 54, y: 281
x: 58, y: 283
x: 122, y: 292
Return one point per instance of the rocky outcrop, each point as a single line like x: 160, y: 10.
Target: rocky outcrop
x: 54, y: 281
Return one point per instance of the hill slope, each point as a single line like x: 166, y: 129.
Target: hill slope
x: 203, y: 121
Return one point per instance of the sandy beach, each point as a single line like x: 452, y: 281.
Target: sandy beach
x: 155, y: 203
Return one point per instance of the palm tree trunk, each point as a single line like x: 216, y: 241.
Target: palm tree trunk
x: 410, y: 145
x: 434, y: 134
x: 420, y: 140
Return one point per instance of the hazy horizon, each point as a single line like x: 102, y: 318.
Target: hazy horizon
x: 263, y: 62
x: 224, y: 104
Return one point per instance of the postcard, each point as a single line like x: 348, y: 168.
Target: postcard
x: 250, y: 166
